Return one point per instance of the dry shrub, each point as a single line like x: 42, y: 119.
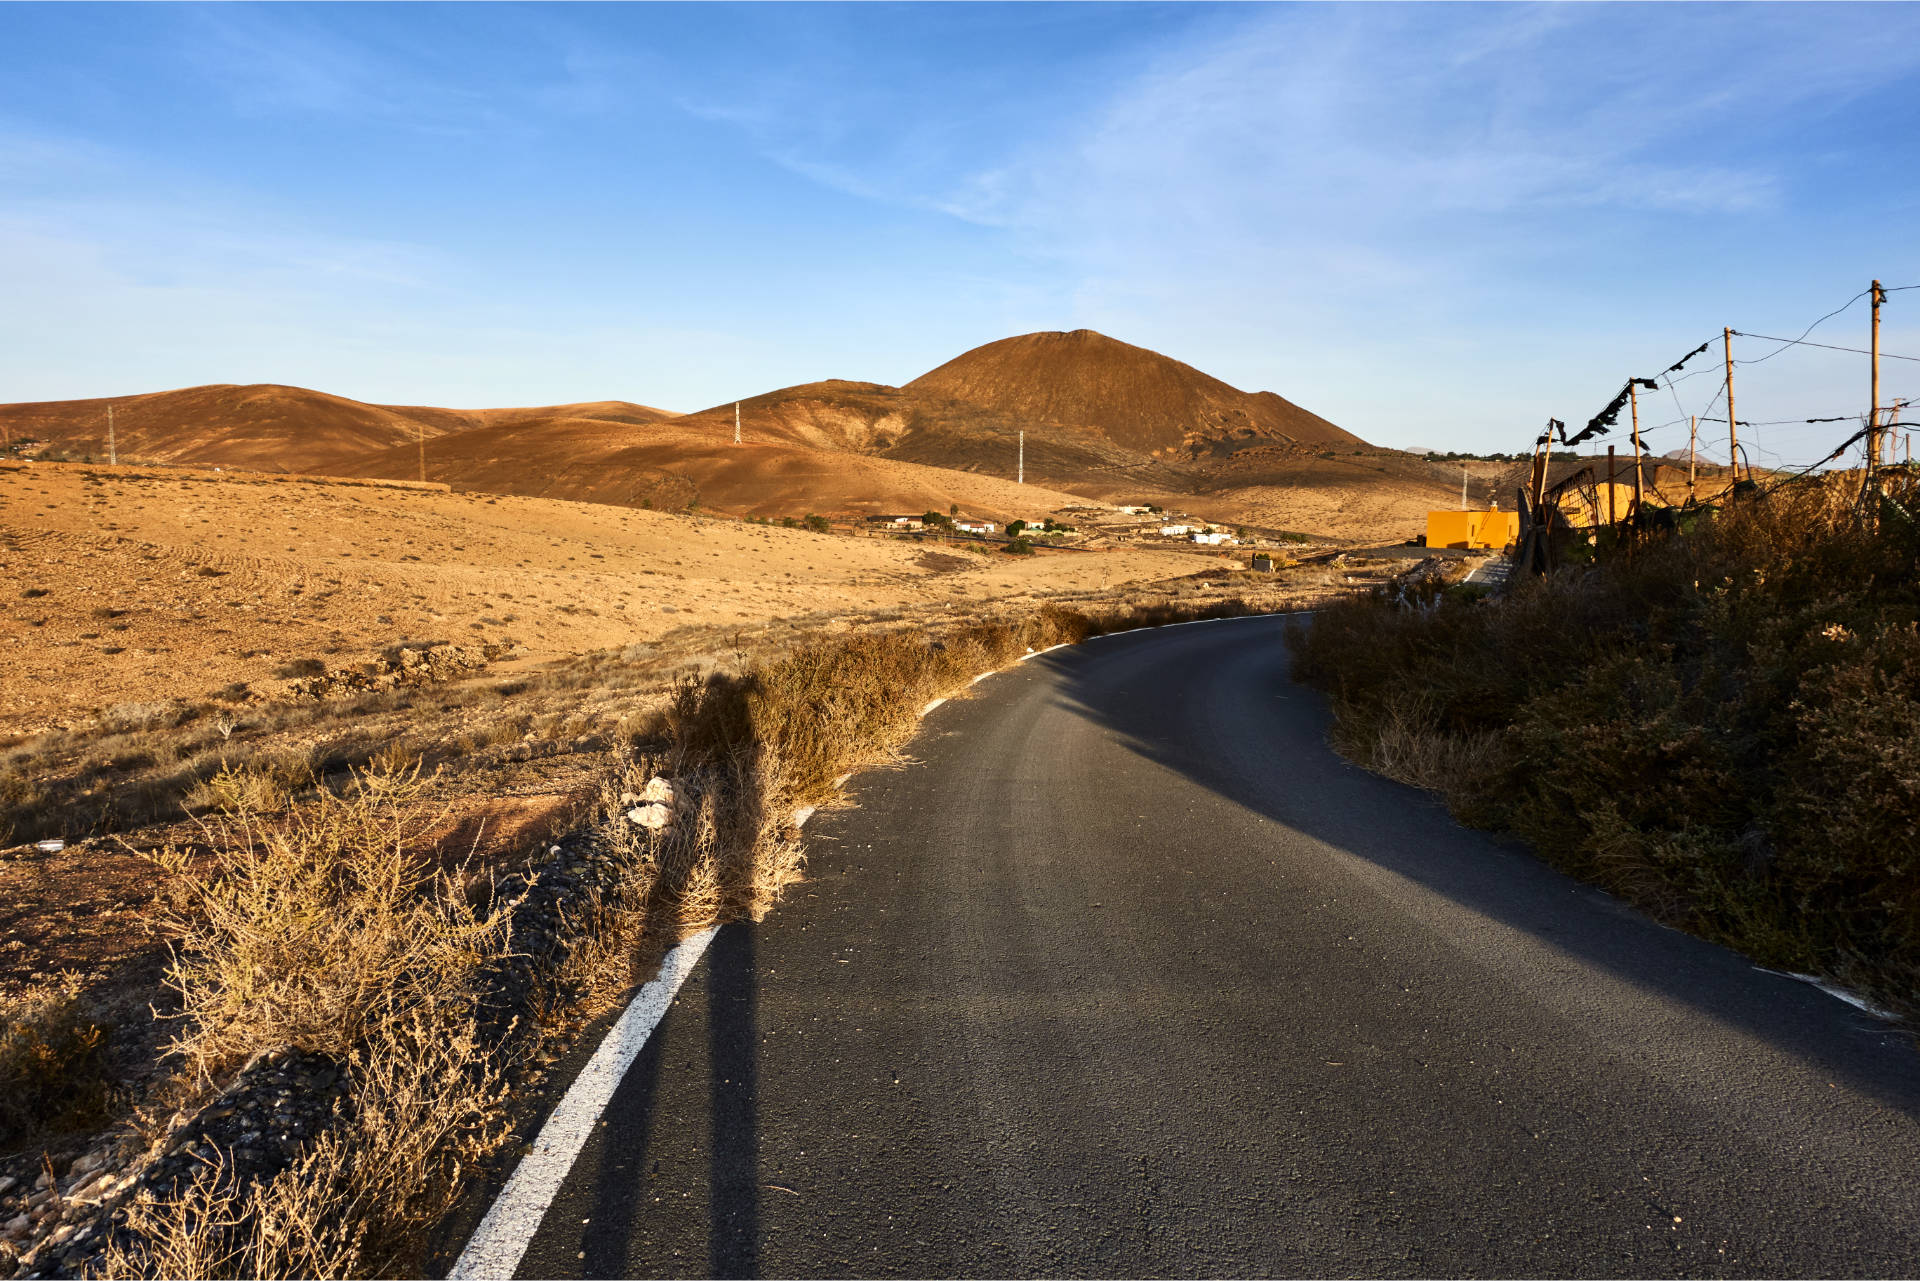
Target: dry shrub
x: 317, y: 930
x: 1721, y: 723
x: 320, y: 933
x: 425, y: 1106
x: 51, y: 1076
x: 237, y: 790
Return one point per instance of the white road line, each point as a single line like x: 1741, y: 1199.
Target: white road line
x: 930, y: 706
x: 495, y: 1250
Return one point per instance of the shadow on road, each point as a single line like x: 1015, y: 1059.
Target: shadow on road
x: 733, y: 1240
x: 1216, y: 704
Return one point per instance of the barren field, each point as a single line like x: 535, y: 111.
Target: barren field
x: 123, y: 585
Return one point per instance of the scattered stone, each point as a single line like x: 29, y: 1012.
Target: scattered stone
x: 654, y: 818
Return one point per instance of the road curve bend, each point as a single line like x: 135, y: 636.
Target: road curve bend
x: 1127, y: 974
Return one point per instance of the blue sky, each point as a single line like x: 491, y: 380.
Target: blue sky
x: 1433, y: 224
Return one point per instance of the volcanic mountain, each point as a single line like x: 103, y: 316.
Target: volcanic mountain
x: 1138, y: 399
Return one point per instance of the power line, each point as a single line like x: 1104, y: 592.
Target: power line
x: 1795, y: 342
x: 1788, y: 342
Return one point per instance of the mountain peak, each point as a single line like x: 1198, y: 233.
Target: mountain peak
x: 1135, y: 397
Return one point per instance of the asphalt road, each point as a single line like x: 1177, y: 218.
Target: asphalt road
x: 1128, y: 974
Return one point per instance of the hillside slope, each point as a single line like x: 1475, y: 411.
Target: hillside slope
x: 672, y: 465
x: 261, y: 426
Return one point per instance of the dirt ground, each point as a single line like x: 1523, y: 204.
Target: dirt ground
x: 136, y: 585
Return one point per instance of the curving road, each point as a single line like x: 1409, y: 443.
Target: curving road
x: 1128, y: 974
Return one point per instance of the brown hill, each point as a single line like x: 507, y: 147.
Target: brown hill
x: 1099, y: 419
x: 1138, y: 399
x: 673, y: 465
x: 939, y: 431
x: 261, y: 426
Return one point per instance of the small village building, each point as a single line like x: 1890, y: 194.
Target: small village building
x: 1176, y: 531
x: 902, y: 523
x: 1212, y: 538
x: 1472, y: 530
x: 976, y: 526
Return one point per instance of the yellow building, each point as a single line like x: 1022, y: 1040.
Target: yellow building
x: 1493, y: 529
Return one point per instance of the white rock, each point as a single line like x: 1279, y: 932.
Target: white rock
x: 658, y: 791
x: 652, y: 817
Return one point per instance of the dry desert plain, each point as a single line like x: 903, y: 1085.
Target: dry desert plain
x: 132, y: 585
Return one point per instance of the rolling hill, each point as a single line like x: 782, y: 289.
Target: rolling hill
x: 262, y: 426
x: 1097, y: 418
x: 674, y: 465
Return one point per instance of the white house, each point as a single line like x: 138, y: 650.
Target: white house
x: 1176, y: 531
x: 976, y: 526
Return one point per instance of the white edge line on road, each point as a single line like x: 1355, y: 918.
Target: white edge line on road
x: 930, y: 706
x: 498, y: 1244
x: 1838, y: 993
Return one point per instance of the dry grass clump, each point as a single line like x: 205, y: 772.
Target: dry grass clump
x: 235, y: 790
x: 50, y: 1071
x: 1722, y: 724
x: 425, y: 1106
x: 320, y: 933
x: 320, y: 929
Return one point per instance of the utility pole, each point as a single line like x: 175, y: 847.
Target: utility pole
x: 1733, y: 431
x: 113, y: 446
x: 1873, y: 413
x: 1633, y: 399
x: 1463, y: 488
x: 1610, y: 474
x: 1020, y: 477
x: 1693, y: 453
x: 736, y: 422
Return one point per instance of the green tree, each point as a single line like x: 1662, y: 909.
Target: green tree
x: 818, y: 524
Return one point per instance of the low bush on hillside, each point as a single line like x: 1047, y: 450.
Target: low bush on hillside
x: 1721, y: 724
x: 50, y: 1069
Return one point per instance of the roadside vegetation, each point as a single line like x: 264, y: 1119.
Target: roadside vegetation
x: 1721, y: 723
x: 320, y: 931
